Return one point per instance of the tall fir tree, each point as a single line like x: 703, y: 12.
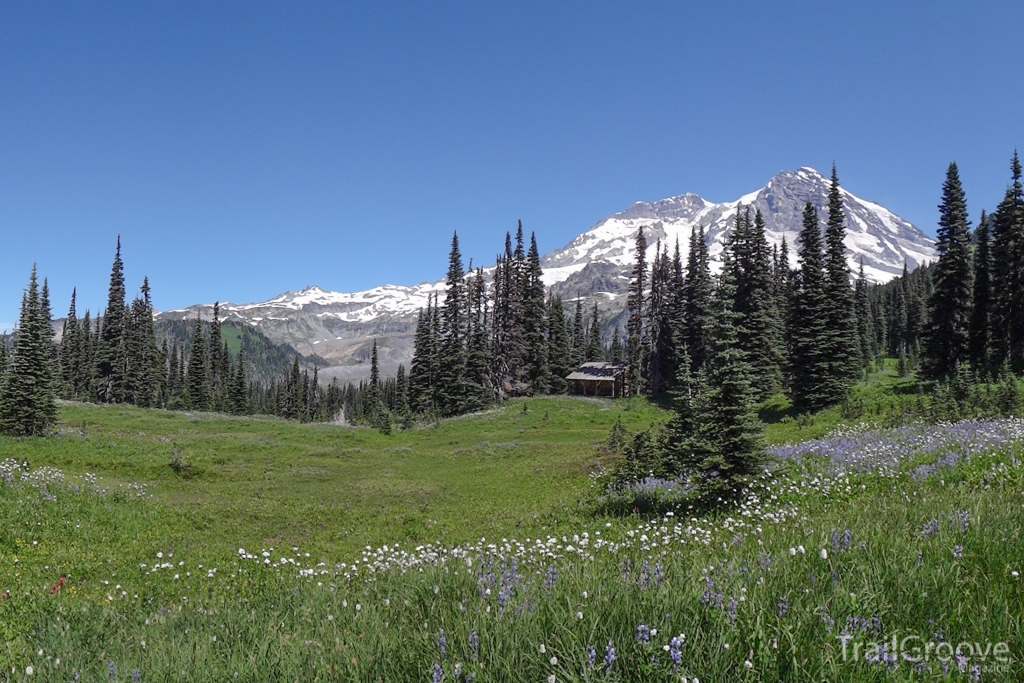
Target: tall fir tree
x: 70, y: 351
x: 27, y: 405
x: 840, y: 340
x: 478, y: 352
x: 729, y: 437
x: 635, y: 318
x: 452, y: 360
x: 810, y: 365
x: 980, y: 332
x: 238, y: 394
x: 579, y: 337
x: 947, y: 336
x: 697, y: 300
x: 865, y: 318
x: 1008, y: 274
x: 110, y: 349
x: 559, y: 358
x: 534, y: 341
x: 197, y: 389
x: 595, y: 350
x: 758, y: 327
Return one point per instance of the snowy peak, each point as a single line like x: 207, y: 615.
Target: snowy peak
x: 875, y: 234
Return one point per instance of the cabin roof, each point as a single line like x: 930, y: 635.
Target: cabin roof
x: 600, y: 371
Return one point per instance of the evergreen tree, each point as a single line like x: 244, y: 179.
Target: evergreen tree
x: 980, y: 332
x: 1008, y: 274
x: 865, y: 318
x: 217, y: 382
x: 402, y: 393
x: 559, y: 363
x: 810, y: 365
x: 198, y: 387
x: 376, y: 412
x: 70, y: 351
x: 757, y: 323
x: 729, y: 440
x: 110, y: 349
x: 27, y: 406
x: 635, y: 319
x: 595, y: 350
x: 579, y: 343
x: 452, y: 361
x: 697, y: 300
x: 533, y: 327
x: 421, y: 397
x: 478, y: 353
x: 615, y: 352
x: 659, y: 343
x: 840, y: 340
x: 948, y: 333
x: 238, y: 394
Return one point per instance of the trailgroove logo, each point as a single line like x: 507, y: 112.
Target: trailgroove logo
x: 919, y: 653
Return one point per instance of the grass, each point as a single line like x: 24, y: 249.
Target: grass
x: 155, y: 585
x: 335, y: 490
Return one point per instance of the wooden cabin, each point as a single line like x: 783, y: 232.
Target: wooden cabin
x: 603, y: 378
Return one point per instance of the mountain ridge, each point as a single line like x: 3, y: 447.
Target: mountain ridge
x: 339, y: 326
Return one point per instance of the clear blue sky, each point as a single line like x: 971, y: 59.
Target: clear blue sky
x: 245, y: 149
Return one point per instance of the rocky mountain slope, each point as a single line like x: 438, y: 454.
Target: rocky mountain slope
x: 339, y: 327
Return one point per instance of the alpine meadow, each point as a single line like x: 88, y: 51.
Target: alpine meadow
x: 793, y: 474
x: 387, y: 342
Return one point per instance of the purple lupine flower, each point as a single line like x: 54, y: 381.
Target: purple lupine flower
x: 675, y: 650
x: 958, y: 551
x: 609, y: 657
x: 644, y: 580
x: 136, y: 676
x: 111, y: 671
x: 782, y: 607
x: 960, y: 521
x: 975, y: 674
x: 474, y: 644
x: 841, y: 541
x: 643, y: 634
x: 442, y: 642
x: 930, y: 528
x: 438, y: 673
x: 550, y: 577
x: 591, y: 655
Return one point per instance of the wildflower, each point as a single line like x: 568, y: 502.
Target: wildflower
x: 579, y: 615
x: 958, y: 551
x: 474, y: 643
x: 542, y: 648
x: 824, y: 554
x: 783, y: 606
x: 438, y: 673
x: 551, y: 678
x: 591, y: 655
x: 609, y: 656
x: 749, y: 664
x: 1015, y: 574
x: 442, y: 642
x: 643, y: 634
x: 675, y: 649
x: 554, y: 661
x: 792, y: 551
x: 29, y: 670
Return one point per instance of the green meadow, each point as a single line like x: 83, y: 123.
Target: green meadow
x: 470, y: 549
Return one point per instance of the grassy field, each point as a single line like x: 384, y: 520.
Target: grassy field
x: 279, y: 551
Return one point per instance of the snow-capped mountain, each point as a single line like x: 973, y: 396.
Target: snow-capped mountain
x: 873, y: 233
x: 339, y: 326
